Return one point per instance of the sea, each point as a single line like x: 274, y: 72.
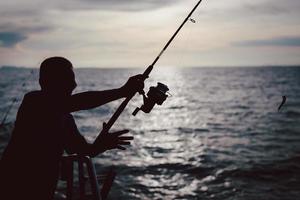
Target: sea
x: 219, y: 135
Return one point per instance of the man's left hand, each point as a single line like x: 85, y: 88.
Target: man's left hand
x: 133, y: 85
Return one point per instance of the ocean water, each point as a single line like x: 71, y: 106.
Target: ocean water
x: 219, y: 136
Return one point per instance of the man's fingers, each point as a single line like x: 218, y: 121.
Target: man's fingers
x: 120, y: 132
x: 121, y: 148
x: 125, y: 138
x: 123, y: 143
x: 104, y: 128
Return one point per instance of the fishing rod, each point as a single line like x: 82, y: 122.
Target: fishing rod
x: 156, y: 95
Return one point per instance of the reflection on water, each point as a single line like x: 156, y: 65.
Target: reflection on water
x: 218, y: 137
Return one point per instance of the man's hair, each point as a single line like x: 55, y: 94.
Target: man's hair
x: 54, y: 69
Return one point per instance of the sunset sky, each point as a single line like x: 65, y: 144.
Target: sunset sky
x: 130, y: 33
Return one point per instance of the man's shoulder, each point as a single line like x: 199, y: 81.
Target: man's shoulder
x: 33, y: 95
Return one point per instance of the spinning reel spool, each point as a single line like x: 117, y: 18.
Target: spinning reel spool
x: 156, y: 95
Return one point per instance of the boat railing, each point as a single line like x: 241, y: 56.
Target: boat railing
x: 85, y: 164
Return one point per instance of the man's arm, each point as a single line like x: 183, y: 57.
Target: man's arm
x: 92, y: 99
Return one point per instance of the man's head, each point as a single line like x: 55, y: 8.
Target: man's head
x: 57, y: 76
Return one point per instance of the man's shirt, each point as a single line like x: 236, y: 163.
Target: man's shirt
x: 43, y: 130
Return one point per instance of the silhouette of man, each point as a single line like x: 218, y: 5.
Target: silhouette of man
x: 44, y: 128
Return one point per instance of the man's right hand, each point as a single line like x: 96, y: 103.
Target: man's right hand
x: 115, y: 140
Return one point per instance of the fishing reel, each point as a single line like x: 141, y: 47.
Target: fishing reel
x: 156, y: 95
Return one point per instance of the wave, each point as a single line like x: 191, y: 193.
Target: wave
x: 275, y: 171
x: 191, y: 130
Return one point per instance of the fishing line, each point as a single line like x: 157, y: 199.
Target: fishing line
x: 184, y: 42
x: 155, y: 94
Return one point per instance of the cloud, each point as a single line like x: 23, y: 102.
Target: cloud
x: 10, y: 39
x: 35, y: 6
x: 280, y: 41
x: 260, y: 10
x: 271, y: 7
x: 85, y: 29
x: 19, y: 20
x: 119, y: 5
x: 25, y: 27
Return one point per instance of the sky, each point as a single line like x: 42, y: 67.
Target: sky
x: 131, y: 33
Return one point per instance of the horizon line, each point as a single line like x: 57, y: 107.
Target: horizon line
x: 202, y: 66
